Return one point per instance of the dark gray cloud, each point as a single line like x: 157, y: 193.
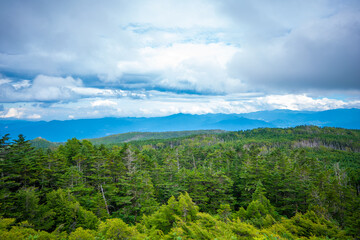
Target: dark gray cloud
x: 323, y: 54
x: 295, y: 46
x: 67, y: 37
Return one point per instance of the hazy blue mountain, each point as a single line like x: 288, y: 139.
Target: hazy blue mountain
x: 346, y: 118
x: 94, y: 128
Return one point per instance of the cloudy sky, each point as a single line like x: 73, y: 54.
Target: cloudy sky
x: 89, y: 59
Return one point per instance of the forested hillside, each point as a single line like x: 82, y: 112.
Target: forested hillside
x: 135, y: 136
x: 295, y: 183
x: 116, y: 139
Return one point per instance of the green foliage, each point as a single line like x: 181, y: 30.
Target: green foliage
x: 117, y: 229
x: 5, y: 223
x: 24, y: 230
x: 164, y: 219
x: 209, y: 227
x: 291, y: 183
x: 310, y: 224
x: 224, y: 212
x: 64, y: 210
x: 82, y: 234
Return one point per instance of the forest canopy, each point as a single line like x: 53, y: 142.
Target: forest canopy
x: 294, y: 183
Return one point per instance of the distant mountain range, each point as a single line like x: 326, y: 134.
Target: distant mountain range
x: 59, y: 131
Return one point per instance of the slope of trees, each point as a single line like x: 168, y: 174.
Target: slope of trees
x: 294, y: 183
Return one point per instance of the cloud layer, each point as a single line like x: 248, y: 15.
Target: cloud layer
x: 322, y: 54
x: 146, y: 58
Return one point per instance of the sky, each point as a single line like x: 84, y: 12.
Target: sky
x: 67, y: 59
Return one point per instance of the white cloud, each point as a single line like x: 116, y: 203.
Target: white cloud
x: 21, y: 84
x: 104, y: 103
x: 49, y: 88
x: 160, y: 104
x: 200, y: 67
x: 43, y: 88
x: 170, y: 57
x: 34, y: 116
x: 301, y: 102
x: 13, y: 113
x: 4, y: 81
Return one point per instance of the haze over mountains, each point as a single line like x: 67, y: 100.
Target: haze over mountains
x: 59, y: 131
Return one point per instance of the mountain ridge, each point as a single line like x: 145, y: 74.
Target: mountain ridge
x: 60, y: 131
